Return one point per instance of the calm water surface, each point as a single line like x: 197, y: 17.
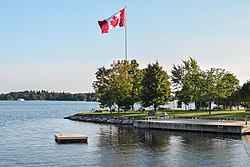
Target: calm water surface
x: 27, y: 139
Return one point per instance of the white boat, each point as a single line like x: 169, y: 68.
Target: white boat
x: 20, y: 99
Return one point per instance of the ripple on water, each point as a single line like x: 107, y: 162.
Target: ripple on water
x: 27, y: 139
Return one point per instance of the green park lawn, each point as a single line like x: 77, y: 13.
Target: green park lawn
x: 234, y: 114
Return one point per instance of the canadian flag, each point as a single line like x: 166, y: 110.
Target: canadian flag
x: 112, y: 23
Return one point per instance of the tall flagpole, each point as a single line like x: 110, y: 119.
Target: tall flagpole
x: 126, y: 38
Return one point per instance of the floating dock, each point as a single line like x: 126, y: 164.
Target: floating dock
x: 71, y: 138
x: 197, y: 125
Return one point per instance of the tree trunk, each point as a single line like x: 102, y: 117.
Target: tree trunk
x: 133, y: 108
x: 155, y: 107
x: 195, y: 106
x: 110, y: 108
x: 210, y: 107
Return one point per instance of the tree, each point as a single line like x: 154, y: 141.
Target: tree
x: 186, y: 81
x: 119, y: 84
x: 191, y: 84
x: 122, y: 84
x: 155, y: 86
x: 136, y: 78
x: 244, y: 94
x: 230, y: 101
x: 103, y: 87
x: 208, y: 87
x: 218, y: 86
x: 45, y: 95
x: 227, y: 86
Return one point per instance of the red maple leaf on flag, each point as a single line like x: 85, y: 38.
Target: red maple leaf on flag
x: 114, y: 21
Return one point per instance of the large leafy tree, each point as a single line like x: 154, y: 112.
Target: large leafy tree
x: 218, y: 86
x: 103, y: 87
x: 122, y: 84
x: 186, y: 81
x: 119, y: 84
x: 208, y: 87
x: 244, y: 94
x: 127, y: 83
x: 155, y: 86
x: 227, y: 85
x: 136, y: 78
x: 191, y: 84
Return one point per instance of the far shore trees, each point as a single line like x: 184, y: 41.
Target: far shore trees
x: 155, y: 86
x: 45, y: 95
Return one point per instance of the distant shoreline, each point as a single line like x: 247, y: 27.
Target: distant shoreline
x: 46, y: 95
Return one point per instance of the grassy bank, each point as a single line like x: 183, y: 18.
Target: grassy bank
x: 235, y: 114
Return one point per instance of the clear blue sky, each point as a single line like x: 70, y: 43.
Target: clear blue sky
x: 56, y: 45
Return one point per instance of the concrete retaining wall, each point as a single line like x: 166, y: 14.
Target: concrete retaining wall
x: 191, y: 127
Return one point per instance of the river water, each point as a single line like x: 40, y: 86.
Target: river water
x: 27, y: 139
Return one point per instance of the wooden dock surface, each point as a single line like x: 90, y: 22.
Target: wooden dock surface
x: 70, y: 138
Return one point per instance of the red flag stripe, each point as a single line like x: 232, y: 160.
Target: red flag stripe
x: 122, y: 18
x: 104, y: 26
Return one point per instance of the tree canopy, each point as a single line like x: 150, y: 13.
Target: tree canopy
x: 192, y: 84
x: 118, y: 85
x: 155, y: 86
x: 244, y: 94
x: 124, y: 84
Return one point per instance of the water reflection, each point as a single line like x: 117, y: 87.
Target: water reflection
x: 127, y: 146
x: 246, y: 138
x: 130, y: 137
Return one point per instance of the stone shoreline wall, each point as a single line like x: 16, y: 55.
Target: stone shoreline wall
x: 101, y: 119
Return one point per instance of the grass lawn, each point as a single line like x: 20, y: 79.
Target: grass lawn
x: 235, y: 114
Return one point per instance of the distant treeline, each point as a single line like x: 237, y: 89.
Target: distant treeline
x: 45, y: 95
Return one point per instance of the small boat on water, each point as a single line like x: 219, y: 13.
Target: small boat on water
x: 20, y: 99
x: 71, y: 138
